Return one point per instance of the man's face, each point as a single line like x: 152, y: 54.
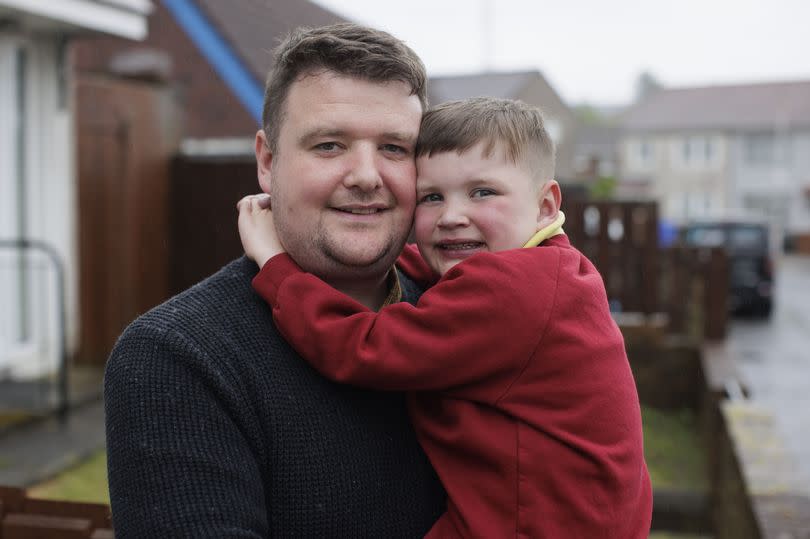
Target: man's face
x: 342, y: 178
x: 470, y: 202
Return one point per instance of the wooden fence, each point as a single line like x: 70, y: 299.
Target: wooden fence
x: 688, y: 285
x: 126, y: 134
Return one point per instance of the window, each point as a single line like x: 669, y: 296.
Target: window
x: 696, y: 151
x: 760, y: 148
x: 641, y: 153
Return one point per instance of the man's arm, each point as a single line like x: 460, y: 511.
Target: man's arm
x: 178, y: 464
x: 473, y: 332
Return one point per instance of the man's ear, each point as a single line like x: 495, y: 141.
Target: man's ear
x: 549, y: 199
x: 264, y: 161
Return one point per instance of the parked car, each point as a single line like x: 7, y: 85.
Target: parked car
x: 747, y: 243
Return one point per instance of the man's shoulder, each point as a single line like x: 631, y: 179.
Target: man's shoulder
x: 216, y: 306
x: 211, y: 298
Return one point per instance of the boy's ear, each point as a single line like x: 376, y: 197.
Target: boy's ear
x: 264, y: 161
x: 549, y: 199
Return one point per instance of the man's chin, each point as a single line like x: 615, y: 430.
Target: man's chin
x: 364, y: 259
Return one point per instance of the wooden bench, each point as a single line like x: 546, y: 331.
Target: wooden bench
x: 22, y: 517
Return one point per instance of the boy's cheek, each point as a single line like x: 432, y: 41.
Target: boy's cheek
x: 423, y: 220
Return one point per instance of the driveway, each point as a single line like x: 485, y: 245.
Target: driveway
x: 774, y: 357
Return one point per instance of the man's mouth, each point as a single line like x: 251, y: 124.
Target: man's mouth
x: 362, y: 208
x: 360, y: 211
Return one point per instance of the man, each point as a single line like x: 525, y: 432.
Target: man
x: 215, y: 427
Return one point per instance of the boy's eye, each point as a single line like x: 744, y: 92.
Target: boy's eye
x: 430, y: 197
x: 482, y: 192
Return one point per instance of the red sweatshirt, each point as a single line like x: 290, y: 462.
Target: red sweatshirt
x: 521, y: 392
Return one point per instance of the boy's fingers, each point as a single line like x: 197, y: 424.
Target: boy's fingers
x: 243, y: 201
x: 264, y: 202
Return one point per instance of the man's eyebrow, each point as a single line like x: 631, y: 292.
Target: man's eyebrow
x: 399, y: 136
x: 310, y: 136
x: 395, y: 136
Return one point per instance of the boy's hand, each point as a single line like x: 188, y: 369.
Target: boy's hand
x: 256, y: 229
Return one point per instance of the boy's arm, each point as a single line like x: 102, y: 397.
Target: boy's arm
x: 475, y: 325
x: 414, y: 266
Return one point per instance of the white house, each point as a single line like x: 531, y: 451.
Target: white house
x: 37, y: 167
x: 707, y: 150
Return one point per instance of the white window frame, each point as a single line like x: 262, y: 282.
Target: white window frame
x: 28, y: 321
x: 641, y: 153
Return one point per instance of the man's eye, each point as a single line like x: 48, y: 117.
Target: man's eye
x: 431, y: 197
x: 393, y: 148
x: 327, y: 146
x: 481, y: 193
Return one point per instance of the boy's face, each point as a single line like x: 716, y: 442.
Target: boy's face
x: 468, y: 203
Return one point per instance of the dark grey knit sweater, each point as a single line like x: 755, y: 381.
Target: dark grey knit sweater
x: 217, y: 428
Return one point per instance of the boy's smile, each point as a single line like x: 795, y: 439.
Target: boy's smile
x: 470, y: 202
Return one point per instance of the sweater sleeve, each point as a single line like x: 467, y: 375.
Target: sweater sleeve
x: 415, y: 267
x: 178, y: 463
x: 471, y: 334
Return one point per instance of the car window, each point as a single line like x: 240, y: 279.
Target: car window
x: 706, y: 236
x: 747, y: 237
x: 738, y: 237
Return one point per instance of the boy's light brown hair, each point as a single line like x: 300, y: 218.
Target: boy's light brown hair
x: 348, y: 49
x: 514, y: 125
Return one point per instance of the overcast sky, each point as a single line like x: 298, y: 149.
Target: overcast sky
x: 593, y: 50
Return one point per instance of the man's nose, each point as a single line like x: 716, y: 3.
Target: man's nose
x: 453, y: 215
x: 364, y: 172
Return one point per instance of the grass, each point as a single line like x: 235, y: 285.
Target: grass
x: 86, y: 482
x: 673, y: 449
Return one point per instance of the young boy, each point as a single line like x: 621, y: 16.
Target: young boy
x: 520, y: 389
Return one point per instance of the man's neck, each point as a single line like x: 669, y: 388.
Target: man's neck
x: 370, y: 292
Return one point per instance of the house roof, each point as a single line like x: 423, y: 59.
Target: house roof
x: 746, y: 107
x: 254, y: 27
x: 123, y: 18
x: 506, y: 85
x: 236, y: 38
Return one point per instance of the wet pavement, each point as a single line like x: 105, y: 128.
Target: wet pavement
x: 774, y: 358
x: 39, y: 450
x: 34, y: 443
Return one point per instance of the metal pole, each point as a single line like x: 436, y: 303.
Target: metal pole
x: 51, y: 252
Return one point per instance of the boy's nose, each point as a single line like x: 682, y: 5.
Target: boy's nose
x: 453, y: 216
x: 363, y: 171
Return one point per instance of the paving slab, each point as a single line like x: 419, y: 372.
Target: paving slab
x: 40, y: 449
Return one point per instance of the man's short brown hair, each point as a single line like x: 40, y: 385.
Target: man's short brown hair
x: 346, y: 49
x: 515, y: 126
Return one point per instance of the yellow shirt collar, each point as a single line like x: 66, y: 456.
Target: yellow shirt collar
x: 394, y: 289
x: 545, y: 233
